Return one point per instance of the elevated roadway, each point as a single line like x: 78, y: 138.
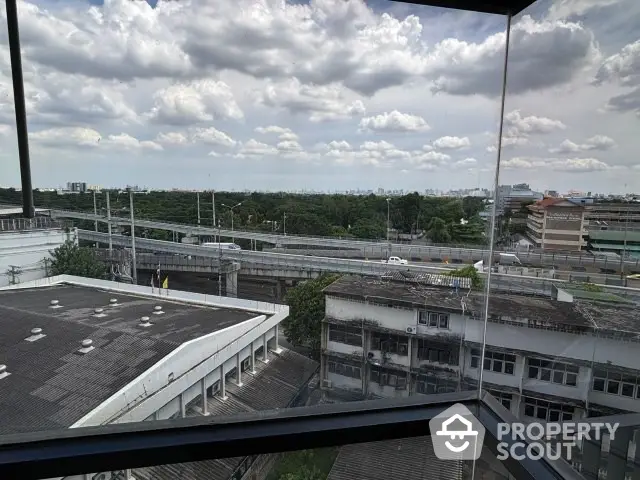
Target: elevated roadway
x: 364, y: 249
x: 283, y: 265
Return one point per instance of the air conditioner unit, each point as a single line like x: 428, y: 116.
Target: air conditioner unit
x: 412, y: 330
x: 326, y: 383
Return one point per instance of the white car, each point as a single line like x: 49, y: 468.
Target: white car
x: 396, y: 261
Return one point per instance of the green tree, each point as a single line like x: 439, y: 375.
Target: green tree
x: 468, y: 272
x: 306, y: 311
x: 70, y: 259
x: 438, y: 231
x: 369, y: 229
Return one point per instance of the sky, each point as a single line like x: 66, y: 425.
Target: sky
x: 324, y: 95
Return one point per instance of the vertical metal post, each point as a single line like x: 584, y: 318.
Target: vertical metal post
x: 213, y: 202
x: 624, y: 248
x: 496, y: 183
x: 198, y: 198
x: 109, y: 223
x: 28, y: 210
x: 134, y: 273
x: 95, y: 212
x: 219, y: 263
x: 284, y: 224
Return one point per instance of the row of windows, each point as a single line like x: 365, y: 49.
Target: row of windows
x: 554, y: 372
x: 437, y: 354
x: 428, y: 384
x: 504, y: 398
x: 345, y: 368
x: 392, y: 378
x: 347, y: 335
x: 494, y: 361
x: 390, y: 343
x: 433, y: 319
x: 547, y: 411
x: 616, y: 383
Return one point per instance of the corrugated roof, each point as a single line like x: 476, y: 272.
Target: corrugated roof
x: 50, y: 385
x: 403, y: 459
x: 275, y: 385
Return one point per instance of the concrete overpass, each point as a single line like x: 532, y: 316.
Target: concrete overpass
x: 372, y: 249
x: 296, y: 266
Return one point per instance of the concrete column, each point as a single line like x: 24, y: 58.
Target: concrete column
x: 231, y: 284
x: 591, y: 456
x: 183, y: 408
x: 238, y: 370
x: 265, y: 349
x: 276, y: 345
x: 618, y: 451
x: 253, y: 359
x: 203, y: 388
x: 279, y: 291
x: 155, y: 415
x: 223, y: 389
x: 635, y: 475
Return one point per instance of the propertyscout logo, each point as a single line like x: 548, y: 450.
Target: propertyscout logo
x: 457, y: 435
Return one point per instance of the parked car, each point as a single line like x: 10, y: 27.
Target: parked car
x: 396, y: 261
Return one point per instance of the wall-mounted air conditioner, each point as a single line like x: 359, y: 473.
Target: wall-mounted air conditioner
x: 412, y: 330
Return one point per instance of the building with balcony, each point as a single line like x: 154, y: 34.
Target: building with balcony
x: 557, y: 224
x: 79, y: 352
x: 26, y: 245
x: 567, y: 357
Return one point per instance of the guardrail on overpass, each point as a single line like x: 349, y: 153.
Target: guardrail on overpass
x: 277, y: 261
x: 421, y: 251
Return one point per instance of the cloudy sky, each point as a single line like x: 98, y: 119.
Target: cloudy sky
x: 326, y: 94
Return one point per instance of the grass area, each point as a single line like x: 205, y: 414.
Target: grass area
x: 304, y: 465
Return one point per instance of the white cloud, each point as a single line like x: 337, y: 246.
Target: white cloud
x: 282, y: 132
x: 518, y: 126
x: 87, y: 137
x: 597, y: 142
x: 570, y: 165
x: 208, y: 136
x: 320, y: 103
x: 201, y: 101
x: 254, y: 148
x: 394, y: 122
x: 452, y: 143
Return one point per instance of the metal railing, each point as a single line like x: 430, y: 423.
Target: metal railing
x: 22, y: 224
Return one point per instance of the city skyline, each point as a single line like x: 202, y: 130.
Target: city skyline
x: 326, y: 95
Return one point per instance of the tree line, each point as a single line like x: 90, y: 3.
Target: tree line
x: 337, y: 215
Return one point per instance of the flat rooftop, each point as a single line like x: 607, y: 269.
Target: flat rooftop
x: 51, y: 385
x: 539, y: 311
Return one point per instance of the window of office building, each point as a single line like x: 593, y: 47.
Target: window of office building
x: 433, y: 319
x: 390, y: 343
x: 345, y: 368
x: 494, y: 361
x: 504, y: 398
x: 547, y: 411
x: 616, y: 383
x: 344, y: 334
x: 392, y: 378
x: 427, y: 384
x: 437, y: 353
x: 554, y: 372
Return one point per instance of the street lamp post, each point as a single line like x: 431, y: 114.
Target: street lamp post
x: 232, y: 208
x: 284, y: 224
x: 388, y: 217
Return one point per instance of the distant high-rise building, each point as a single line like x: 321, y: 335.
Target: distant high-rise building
x: 78, y: 187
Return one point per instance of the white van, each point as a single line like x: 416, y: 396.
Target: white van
x: 222, y: 246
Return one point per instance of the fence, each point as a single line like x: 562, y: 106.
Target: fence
x: 21, y: 224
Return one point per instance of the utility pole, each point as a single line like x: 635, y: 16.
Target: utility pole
x: 134, y: 273
x: 95, y: 212
x: 624, y: 248
x: 388, y: 217
x: 284, y: 224
x: 219, y: 263
x: 109, y: 223
x: 198, y: 198
x: 213, y: 202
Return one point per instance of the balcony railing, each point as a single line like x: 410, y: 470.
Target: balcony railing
x: 24, y: 224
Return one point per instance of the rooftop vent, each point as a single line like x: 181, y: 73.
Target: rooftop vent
x: 157, y: 310
x: 36, y: 334
x: 113, y: 302
x: 55, y: 304
x: 99, y: 312
x: 3, y: 371
x: 144, y: 322
x: 87, y: 346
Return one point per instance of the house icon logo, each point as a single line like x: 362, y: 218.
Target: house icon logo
x: 456, y: 434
